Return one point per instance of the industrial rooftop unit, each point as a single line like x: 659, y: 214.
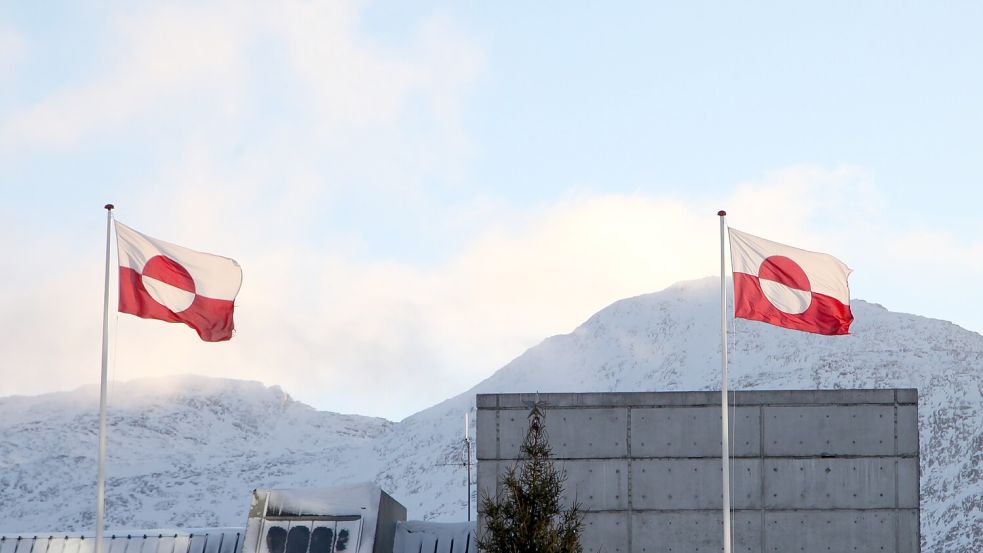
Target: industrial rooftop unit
x: 356, y: 519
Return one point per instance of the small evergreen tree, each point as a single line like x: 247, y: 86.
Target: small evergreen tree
x: 526, y: 516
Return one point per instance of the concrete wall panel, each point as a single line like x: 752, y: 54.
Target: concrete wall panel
x: 486, y: 426
x: 814, y: 397
x: 693, y: 484
x: 573, y: 433
x: 598, y: 485
x: 693, y: 532
x: 907, y: 430
x: 906, y: 395
x: 829, y: 531
x: 607, y: 532
x: 488, y: 472
x: 829, y: 430
x: 486, y: 401
x: 851, y: 483
x: 909, y: 536
x: 908, y: 477
x: 692, y: 432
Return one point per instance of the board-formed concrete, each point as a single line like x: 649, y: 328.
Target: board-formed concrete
x: 812, y: 471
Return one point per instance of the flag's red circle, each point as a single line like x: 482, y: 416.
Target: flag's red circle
x: 783, y: 270
x: 168, y: 283
x: 170, y: 272
x: 785, y: 284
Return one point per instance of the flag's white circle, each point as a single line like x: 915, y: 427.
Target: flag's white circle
x: 171, y: 297
x: 785, y: 284
x: 788, y: 300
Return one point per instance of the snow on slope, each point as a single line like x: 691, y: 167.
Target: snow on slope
x: 182, y: 452
x: 191, y: 458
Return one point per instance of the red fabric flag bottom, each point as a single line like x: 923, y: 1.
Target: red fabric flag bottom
x: 824, y: 315
x: 211, y: 318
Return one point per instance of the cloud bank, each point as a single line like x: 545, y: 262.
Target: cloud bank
x: 334, y: 166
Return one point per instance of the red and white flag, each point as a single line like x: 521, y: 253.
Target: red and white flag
x: 789, y: 287
x: 159, y: 280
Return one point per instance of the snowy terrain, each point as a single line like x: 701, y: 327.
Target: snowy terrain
x: 184, y: 452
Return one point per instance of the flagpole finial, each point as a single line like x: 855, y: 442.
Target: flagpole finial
x: 721, y: 213
x: 109, y: 207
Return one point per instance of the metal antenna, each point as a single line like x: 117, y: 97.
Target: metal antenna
x: 465, y: 463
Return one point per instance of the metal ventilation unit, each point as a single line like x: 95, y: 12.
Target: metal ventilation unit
x: 352, y: 519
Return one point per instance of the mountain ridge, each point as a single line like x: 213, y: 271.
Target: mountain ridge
x: 667, y: 340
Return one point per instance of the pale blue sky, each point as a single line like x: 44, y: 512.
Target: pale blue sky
x: 419, y: 191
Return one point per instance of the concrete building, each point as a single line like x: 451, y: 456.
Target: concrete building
x: 812, y: 471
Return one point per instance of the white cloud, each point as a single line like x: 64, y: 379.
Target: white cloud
x: 335, y: 327
x: 157, y: 55
x: 12, y: 47
x: 169, y: 58
x: 387, y: 338
x: 410, y: 335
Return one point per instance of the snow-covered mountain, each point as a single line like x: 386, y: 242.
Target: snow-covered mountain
x: 190, y: 458
x: 182, y: 452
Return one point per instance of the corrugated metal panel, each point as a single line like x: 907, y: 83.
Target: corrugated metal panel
x: 117, y: 545
x: 435, y: 537
x: 411, y: 537
x: 209, y: 540
x: 72, y: 545
x: 56, y: 545
x: 181, y: 543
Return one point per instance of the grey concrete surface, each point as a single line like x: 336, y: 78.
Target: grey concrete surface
x: 817, y: 470
x: 691, y: 431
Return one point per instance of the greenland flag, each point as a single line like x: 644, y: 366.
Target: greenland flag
x: 789, y: 287
x: 159, y: 280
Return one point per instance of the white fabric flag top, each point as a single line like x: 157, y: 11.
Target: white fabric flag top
x: 164, y: 281
x: 789, y: 287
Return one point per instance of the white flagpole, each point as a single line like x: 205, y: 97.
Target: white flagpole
x: 101, y: 480
x: 725, y: 453
x: 467, y: 460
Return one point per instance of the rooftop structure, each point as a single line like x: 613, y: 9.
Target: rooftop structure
x: 347, y: 519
